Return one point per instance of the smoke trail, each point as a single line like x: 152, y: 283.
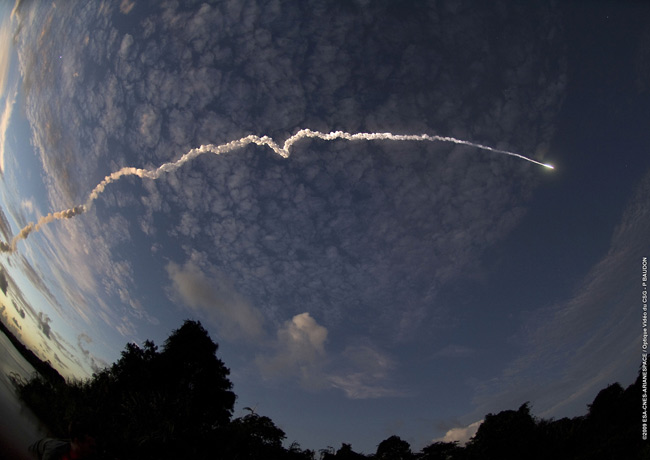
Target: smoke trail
x: 35, y: 227
x: 284, y: 151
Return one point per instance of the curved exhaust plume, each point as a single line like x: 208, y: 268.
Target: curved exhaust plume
x: 35, y: 227
x: 284, y: 151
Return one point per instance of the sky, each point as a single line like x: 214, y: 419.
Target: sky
x: 357, y: 289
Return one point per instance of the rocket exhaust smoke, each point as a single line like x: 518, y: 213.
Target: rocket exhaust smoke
x: 35, y: 227
x: 284, y: 151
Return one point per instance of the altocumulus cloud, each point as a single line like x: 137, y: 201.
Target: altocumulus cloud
x: 153, y: 100
x: 333, y: 227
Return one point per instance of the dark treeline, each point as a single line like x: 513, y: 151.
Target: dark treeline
x: 42, y: 367
x: 178, y: 403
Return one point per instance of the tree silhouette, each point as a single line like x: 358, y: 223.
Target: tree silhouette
x: 441, y: 451
x: 169, y: 404
x: 393, y: 448
x: 178, y: 402
x: 507, y: 435
x: 612, y: 426
x: 196, y: 381
x: 606, y: 406
x: 346, y: 453
x: 253, y: 436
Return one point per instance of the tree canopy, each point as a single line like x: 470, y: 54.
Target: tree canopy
x: 178, y: 403
x: 150, y: 404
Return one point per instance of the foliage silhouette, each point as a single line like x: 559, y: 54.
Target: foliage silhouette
x: 157, y: 404
x: 344, y: 453
x: 441, y: 451
x: 610, y: 430
x: 508, y: 434
x: 393, y: 448
x: 178, y: 403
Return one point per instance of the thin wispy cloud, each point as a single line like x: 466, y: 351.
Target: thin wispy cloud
x: 588, y: 338
x: 212, y: 295
x: 6, y: 38
x: 366, y: 373
x: 5, y: 118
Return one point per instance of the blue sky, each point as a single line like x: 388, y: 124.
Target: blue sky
x: 357, y: 289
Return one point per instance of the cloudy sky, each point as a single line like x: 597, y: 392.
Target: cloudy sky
x: 357, y: 289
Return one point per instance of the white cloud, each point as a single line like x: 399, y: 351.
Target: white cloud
x: 300, y: 350
x: 127, y: 41
x: 361, y: 371
x: 149, y: 125
x: 461, y: 434
x: 305, y: 333
x: 28, y: 205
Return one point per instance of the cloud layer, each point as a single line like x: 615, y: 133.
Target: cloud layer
x: 362, y: 236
